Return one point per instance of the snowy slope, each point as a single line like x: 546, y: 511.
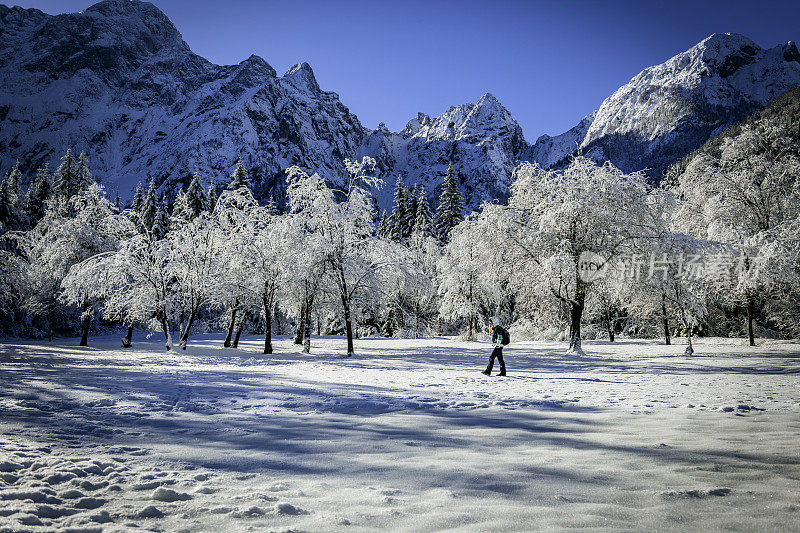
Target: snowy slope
x: 670, y: 109
x: 406, y: 436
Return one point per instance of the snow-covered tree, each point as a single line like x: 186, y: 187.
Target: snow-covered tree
x: 451, y: 206
x: 561, y: 221
x: 71, y: 177
x: 39, y: 193
x: 59, y: 243
x: 238, y: 217
x: 343, y: 229
x: 195, y: 267
x: 196, y: 200
x: 422, y: 218
x: 743, y: 195
x: 240, y: 177
x: 461, y: 269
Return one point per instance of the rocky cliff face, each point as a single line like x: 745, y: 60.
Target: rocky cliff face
x: 118, y: 82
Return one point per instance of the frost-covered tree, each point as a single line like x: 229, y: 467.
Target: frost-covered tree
x: 39, y: 193
x: 59, y: 243
x: 15, y: 198
x: 343, y: 229
x: 71, y: 177
x: 742, y: 194
x: 401, y: 221
x: 475, y: 272
x: 149, y: 211
x: 422, y: 218
x: 211, y: 197
x: 240, y: 177
x: 195, y: 268
x: 181, y: 214
x: 461, y: 269
x: 138, y: 199
x: 560, y: 219
x: 196, y: 200
x: 451, y: 206
x: 237, y: 215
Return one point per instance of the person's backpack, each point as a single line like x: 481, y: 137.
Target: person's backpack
x: 506, y: 338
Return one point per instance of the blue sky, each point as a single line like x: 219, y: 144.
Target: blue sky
x: 549, y: 63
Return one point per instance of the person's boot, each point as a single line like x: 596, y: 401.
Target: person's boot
x: 502, y: 372
x: 488, y: 371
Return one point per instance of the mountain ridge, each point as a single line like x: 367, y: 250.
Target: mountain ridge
x: 119, y: 82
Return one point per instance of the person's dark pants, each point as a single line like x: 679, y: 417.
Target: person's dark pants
x: 496, y: 353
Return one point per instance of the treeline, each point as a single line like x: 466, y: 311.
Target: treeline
x: 582, y: 252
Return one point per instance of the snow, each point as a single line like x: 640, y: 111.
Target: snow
x: 406, y: 435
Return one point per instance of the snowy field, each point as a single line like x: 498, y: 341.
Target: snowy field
x: 408, y: 435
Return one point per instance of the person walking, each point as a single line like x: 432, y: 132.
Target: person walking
x: 499, y: 339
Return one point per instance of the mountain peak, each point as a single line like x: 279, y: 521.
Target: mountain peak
x: 302, y: 76
x: 258, y: 64
x: 156, y: 21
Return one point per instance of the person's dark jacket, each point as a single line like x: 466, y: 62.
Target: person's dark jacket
x: 497, y: 337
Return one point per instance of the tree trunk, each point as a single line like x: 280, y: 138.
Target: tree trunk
x: 575, y: 314
x: 242, y: 322
x: 610, y: 326
x: 86, y: 317
x: 227, y: 342
x: 665, y: 320
x: 184, y: 338
x: 348, y: 325
x: 127, y: 339
x: 267, y: 326
x: 750, y: 335
x: 307, y: 326
x: 470, y: 330
x: 50, y: 324
x: 298, y: 336
x: 167, y: 333
x: 689, y: 347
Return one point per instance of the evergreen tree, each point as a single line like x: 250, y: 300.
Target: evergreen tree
x: 272, y: 207
x: 16, y: 208
x: 149, y: 209
x: 66, y: 177
x: 451, y: 206
x: 401, y: 220
x: 7, y: 217
x: 84, y: 177
x: 138, y: 199
x: 14, y: 188
x: 412, y: 194
x: 38, y: 194
x: 211, y: 200
x: 383, y: 226
x: 422, y: 221
x: 196, y: 201
x: 240, y: 177
x: 161, y: 220
x: 180, y: 210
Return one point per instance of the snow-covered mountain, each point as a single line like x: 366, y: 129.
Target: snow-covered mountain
x: 670, y: 109
x: 482, y: 140
x: 118, y: 82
